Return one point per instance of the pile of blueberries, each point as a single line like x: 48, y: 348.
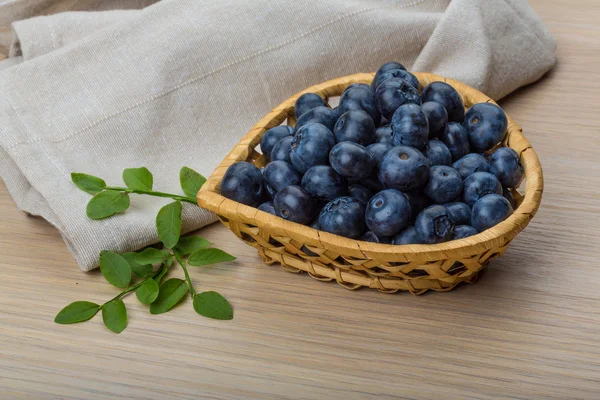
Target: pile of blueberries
x: 389, y: 164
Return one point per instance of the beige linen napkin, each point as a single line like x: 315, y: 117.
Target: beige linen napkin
x: 179, y: 82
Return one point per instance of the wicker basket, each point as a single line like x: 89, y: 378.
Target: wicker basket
x: 352, y: 263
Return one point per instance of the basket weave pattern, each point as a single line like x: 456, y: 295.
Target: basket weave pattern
x: 352, y: 263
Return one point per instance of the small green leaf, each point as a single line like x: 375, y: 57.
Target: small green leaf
x: 171, y: 292
x: 152, y: 256
x: 107, y: 203
x: 114, y: 315
x: 209, y: 256
x: 169, y: 262
x: 115, y: 268
x: 88, y: 183
x: 189, y: 244
x: 168, y: 224
x: 213, y: 305
x: 148, y: 292
x: 141, y: 270
x: 78, y: 311
x: 191, y: 181
x: 138, y: 178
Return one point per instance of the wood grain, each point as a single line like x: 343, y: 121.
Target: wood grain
x: 530, y: 329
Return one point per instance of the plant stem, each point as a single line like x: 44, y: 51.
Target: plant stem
x: 163, y: 268
x: 185, y: 271
x: 153, y: 193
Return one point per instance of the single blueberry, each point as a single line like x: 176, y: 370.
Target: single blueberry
x: 410, y: 126
x: 369, y: 236
x: 295, y: 204
x: 395, y: 74
x: 485, y: 124
x: 318, y: 115
x: 311, y: 146
x: 456, y: 139
x: 278, y: 175
x: 355, y: 126
x: 281, y: 150
x: 272, y: 136
x: 393, y: 93
x: 324, y: 183
x: 388, y: 212
x: 343, y: 216
x: 444, y: 184
x: 360, y: 193
x: 315, y: 223
x: 383, y: 134
x: 437, y: 153
x: 403, y: 168
x: 489, y: 211
x: 460, y: 212
x: 418, y: 202
x: 351, y: 160
x: 480, y: 184
x: 372, y: 183
x: 437, y: 116
x: 267, y: 207
x: 389, y: 66
x: 378, y: 150
x: 463, y: 231
x: 243, y: 183
x: 407, y: 236
x: 471, y: 163
x: 359, y: 97
x: 434, y: 225
x: 448, y: 97
x: 508, y: 195
x: 505, y: 164
x: 307, y: 102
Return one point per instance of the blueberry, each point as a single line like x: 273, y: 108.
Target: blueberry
x: 478, y: 185
x: 343, y: 216
x: 369, y: 236
x: 295, y: 204
x: 448, y: 97
x: 378, y: 150
x: 489, y: 211
x: 279, y: 174
x: 437, y: 153
x: 456, y: 139
x: 471, y: 163
x: 463, y: 231
x: 485, y: 124
x: 403, y: 168
x: 460, y: 212
x: 315, y: 223
x: 272, y: 136
x: 359, y: 97
x: 281, y: 151
x: 360, y: 193
x: 318, y: 115
x: 508, y: 195
x: 383, y: 134
x: 324, y: 183
x: 388, y: 212
x: 351, y: 160
x: 437, y: 116
x: 243, y: 183
x: 389, y: 66
x: 372, y: 183
x: 407, y: 236
x: 410, y: 126
x: 504, y: 163
x: 307, y: 102
x: 434, y: 225
x: 267, y: 207
x: 311, y: 146
x: 418, y: 202
x: 444, y: 184
x: 395, y: 74
x: 393, y: 93
x: 355, y: 126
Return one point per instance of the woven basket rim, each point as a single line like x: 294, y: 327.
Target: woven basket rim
x: 209, y: 197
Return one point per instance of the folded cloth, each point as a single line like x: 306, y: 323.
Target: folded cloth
x: 179, y: 82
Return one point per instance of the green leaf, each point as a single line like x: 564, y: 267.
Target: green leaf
x: 209, y: 256
x: 168, y: 224
x: 148, y: 292
x: 88, y: 183
x: 191, y: 181
x: 141, y: 270
x: 213, y: 305
x: 138, y: 178
x: 107, y: 203
x: 78, y: 311
x: 171, y: 292
x: 152, y: 256
x: 115, y: 268
x: 189, y: 244
x: 114, y: 315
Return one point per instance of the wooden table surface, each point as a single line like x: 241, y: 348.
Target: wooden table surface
x: 530, y: 329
